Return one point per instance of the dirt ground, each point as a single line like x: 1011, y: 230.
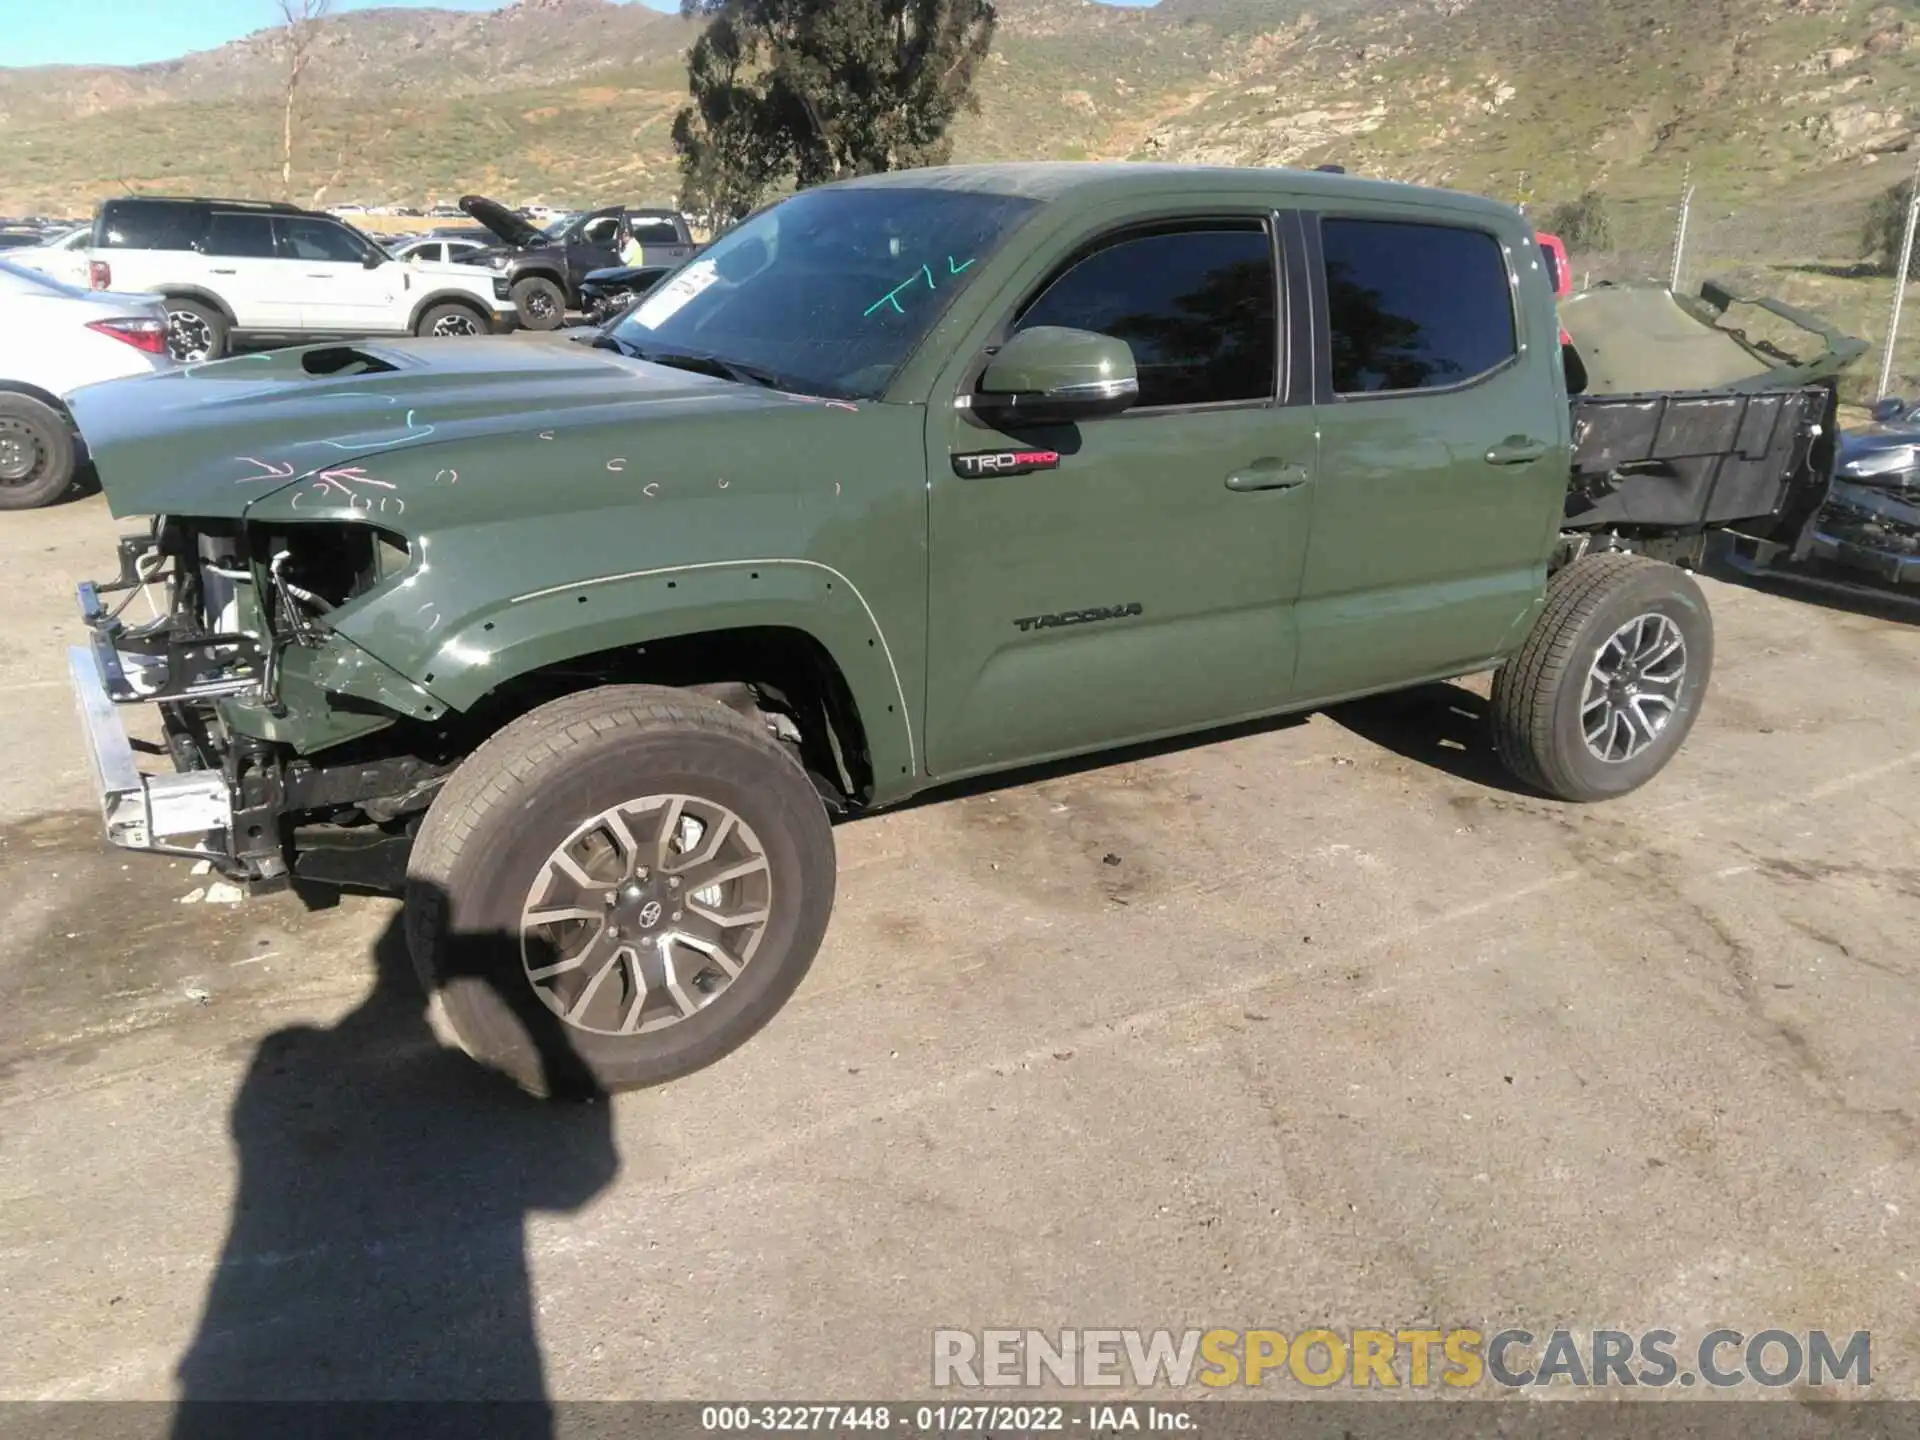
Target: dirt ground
x: 1312, y: 1024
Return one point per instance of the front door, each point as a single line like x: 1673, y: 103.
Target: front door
x: 244, y: 269
x: 597, y: 243
x: 1443, y: 453
x: 339, y: 292
x: 1128, y: 577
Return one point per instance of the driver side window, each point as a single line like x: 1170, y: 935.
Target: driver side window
x: 605, y: 231
x: 1198, y: 304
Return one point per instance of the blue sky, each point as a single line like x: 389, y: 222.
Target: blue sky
x: 132, y: 32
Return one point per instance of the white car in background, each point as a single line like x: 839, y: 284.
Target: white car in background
x: 432, y: 248
x: 54, y: 339
x: 64, y: 257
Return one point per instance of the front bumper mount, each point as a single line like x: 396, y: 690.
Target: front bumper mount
x: 185, y: 813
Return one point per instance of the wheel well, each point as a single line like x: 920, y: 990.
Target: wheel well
x: 540, y: 272
x: 34, y: 392
x: 449, y: 297
x: 181, y: 292
x: 783, y: 675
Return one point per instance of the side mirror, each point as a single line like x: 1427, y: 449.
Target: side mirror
x: 1890, y: 408
x: 1052, y: 375
x: 373, y: 260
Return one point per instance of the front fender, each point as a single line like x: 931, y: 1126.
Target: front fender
x: 564, y: 622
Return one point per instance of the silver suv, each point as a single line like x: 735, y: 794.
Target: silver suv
x: 241, y: 272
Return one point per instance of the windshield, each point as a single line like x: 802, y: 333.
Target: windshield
x: 829, y: 292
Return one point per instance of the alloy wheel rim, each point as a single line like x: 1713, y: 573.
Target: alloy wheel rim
x: 1633, y: 688
x: 189, y: 337
x: 21, y: 452
x: 540, y: 305
x: 646, y: 914
x: 455, y: 325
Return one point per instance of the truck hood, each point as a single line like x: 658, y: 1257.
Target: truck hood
x: 515, y: 230
x: 212, y: 440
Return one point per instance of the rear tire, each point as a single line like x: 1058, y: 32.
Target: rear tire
x: 195, y: 331
x: 1609, y: 681
x: 541, y: 303
x: 37, y: 453
x: 452, y: 319
x: 563, y: 938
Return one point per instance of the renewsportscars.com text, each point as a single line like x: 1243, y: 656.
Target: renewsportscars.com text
x: 1399, y: 1358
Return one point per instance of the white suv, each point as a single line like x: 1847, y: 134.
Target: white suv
x: 237, y: 272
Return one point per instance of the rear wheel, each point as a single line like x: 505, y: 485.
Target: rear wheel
x: 451, y: 319
x: 541, y: 303
x: 195, y: 331
x: 36, y: 453
x: 617, y: 889
x: 1609, y: 681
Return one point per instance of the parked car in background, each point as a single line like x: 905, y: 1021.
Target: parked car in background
x: 1867, y: 533
x: 64, y: 256
x: 545, y: 268
x: 246, y: 272
x: 54, y: 339
x: 417, y: 248
x: 605, y: 295
x: 1559, y: 268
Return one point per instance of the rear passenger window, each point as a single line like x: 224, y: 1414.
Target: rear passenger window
x: 247, y: 236
x: 1414, y: 307
x: 152, y: 225
x: 656, y: 232
x: 1199, y: 307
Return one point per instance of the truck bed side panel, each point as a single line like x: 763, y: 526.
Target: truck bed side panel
x: 1697, y: 460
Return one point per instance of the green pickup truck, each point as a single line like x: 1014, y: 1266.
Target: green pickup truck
x: 909, y: 478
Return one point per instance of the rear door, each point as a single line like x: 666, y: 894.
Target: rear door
x: 1131, y: 576
x: 1443, y: 447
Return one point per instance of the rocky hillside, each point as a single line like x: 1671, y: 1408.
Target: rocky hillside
x: 570, y: 100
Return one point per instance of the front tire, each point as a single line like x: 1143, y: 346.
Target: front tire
x: 541, y: 303
x: 195, y: 331
x: 1608, y: 682
x: 36, y: 453
x: 618, y: 889
x: 451, y: 319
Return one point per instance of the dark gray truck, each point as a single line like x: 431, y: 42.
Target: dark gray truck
x: 545, y: 268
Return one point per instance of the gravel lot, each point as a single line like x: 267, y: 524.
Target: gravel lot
x: 1318, y: 1023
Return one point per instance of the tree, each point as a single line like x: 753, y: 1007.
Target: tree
x: 1585, y: 224
x: 1885, y: 227
x: 814, y: 90
x: 302, y: 19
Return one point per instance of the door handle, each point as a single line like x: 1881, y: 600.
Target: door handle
x: 318, y: 275
x: 1267, y: 475
x: 1517, y: 450
x: 225, y: 272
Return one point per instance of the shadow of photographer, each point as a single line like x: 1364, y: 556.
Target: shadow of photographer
x: 377, y: 1247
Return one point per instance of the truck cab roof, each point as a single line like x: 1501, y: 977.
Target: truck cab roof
x: 1092, y: 180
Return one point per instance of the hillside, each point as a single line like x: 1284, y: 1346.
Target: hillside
x: 1789, y: 112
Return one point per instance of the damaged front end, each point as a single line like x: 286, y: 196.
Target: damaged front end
x: 1871, y: 522
x: 221, y: 626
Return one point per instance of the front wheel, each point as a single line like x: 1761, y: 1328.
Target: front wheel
x: 451, y: 319
x: 619, y: 888
x: 541, y: 303
x: 1608, y: 682
x: 36, y: 453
